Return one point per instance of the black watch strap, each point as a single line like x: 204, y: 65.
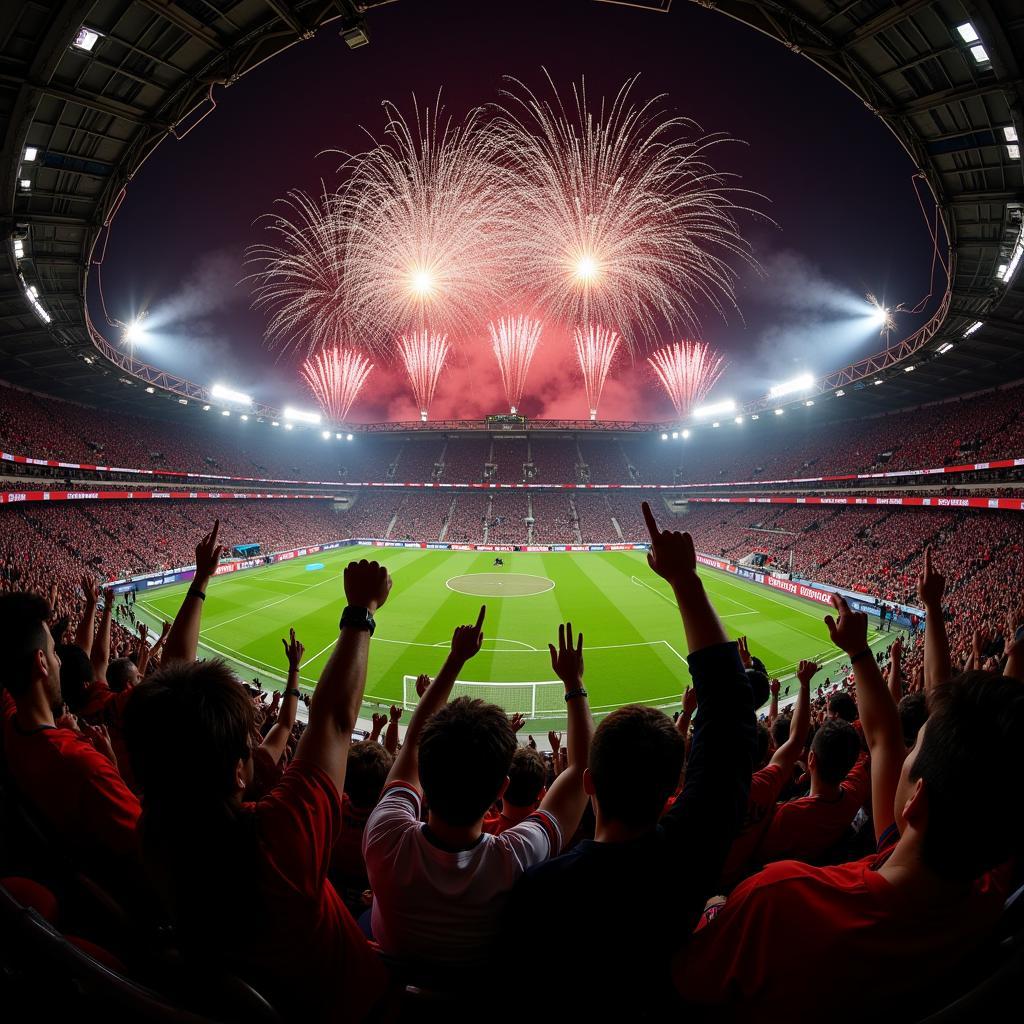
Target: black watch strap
x: 355, y: 617
x: 293, y: 692
x: 866, y: 653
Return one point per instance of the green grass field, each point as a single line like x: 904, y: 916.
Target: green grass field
x: 635, y: 647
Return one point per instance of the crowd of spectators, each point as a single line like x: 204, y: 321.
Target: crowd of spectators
x: 555, y: 460
x: 510, y: 455
x: 554, y: 521
x: 372, y: 875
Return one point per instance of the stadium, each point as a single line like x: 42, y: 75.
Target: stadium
x: 476, y: 473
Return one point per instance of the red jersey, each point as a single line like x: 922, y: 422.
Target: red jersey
x: 854, y: 924
x: 303, y: 943
x: 765, y: 787
x: 75, y: 789
x: 806, y: 828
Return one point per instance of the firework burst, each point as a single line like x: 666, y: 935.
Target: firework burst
x: 688, y: 370
x: 595, y: 349
x: 619, y: 216
x: 883, y: 314
x: 298, y: 278
x: 514, y: 340
x: 336, y: 376
x: 426, y: 211
x: 424, y: 355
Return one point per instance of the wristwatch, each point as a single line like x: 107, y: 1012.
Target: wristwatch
x: 357, y: 618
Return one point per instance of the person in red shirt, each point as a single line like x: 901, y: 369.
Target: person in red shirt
x: 523, y: 794
x: 808, y: 827
x: 892, y: 927
x: 768, y: 781
x: 68, y: 774
x: 246, y: 883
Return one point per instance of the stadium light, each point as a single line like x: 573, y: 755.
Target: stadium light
x: 801, y: 383
x: 780, y: 412
x: 968, y: 33
x: 943, y: 349
x: 30, y: 154
x: 1013, y: 152
x: 86, y: 39
x: 755, y: 416
x: 739, y: 419
x: 289, y: 426
x: 230, y: 395
x: 726, y: 405
x: 840, y: 393
x: 877, y: 381
x: 675, y: 435
x: 1010, y: 133
x: 977, y: 325
x: 150, y: 391
x: 245, y: 418
x: 909, y: 369
x: 206, y: 408
x: 225, y: 412
x: 301, y: 416
x: 1007, y: 270
x: 182, y: 401
x: 686, y: 434
x: 809, y: 402
x: 349, y: 437
x: 326, y: 435
x: 664, y: 437
x: 715, y: 424
x: 980, y: 54
x: 135, y: 332
x: 25, y: 184
x: 337, y: 437
x: 274, y: 423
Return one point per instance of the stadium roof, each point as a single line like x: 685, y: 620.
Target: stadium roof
x: 90, y: 90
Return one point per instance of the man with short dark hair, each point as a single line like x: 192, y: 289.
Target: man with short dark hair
x: 66, y: 772
x: 842, y: 705
x: 630, y: 897
x: 806, y: 828
x: 246, y: 883
x: 523, y: 794
x: 440, y: 888
x: 896, y: 926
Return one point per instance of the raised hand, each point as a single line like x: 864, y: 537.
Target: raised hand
x: 567, y: 661
x: 741, y: 643
x: 293, y: 650
x: 850, y: 633
x: 98, y: 736
x: 396, y: 713
x: 367, y: 584
x: 554, y: 741
x: 378, y: 721
x: 517, y: 721
x: 672, y: 555
x: 466, y: 640
x: 931, y: 584
x: 91, y: 590
x: 689, y: 701
x: 422, y: 682
x: 805, y: 672
x: 208, y: 553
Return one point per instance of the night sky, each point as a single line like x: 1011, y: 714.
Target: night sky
x: 839, y: 184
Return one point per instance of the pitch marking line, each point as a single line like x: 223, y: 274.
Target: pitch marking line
x: 262, y: 607
x: 665, y: 597
x: 502, y: 577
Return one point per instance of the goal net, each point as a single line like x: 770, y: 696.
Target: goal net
x: 530, y: 699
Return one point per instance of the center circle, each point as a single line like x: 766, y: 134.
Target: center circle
x: 500, y: 584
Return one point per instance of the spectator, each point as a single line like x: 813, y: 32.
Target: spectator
x: 523, y: 794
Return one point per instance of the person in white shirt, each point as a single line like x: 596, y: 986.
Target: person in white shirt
x: 440, y: 887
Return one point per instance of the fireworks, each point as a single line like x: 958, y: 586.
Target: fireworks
x: 425, y: 212
x: 336, y: 376
x: 299, y: 278
x: 688, y: 370
x: 595, y: 348
x: 424, y: 355
x: 619, y: 217
x: 514, y: 341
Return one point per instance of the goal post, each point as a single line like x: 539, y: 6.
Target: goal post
x: 534, y: 700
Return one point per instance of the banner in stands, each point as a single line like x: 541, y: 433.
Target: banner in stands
x: 1006, y: 504
x: 10, y: 497
x: 836, y: 478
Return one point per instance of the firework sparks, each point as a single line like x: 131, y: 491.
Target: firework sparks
x: 595, y: 349
x: 336, y: 376
x: 514, y: 340
x: 883, y: 314
x: 425, y: 213
x: 298, y: 278
x: 619, y: 216
x: 424, y: 355
x: 688, y: 370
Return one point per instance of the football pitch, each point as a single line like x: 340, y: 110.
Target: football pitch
x: 635, y: 648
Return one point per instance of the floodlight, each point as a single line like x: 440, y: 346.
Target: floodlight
x: 230, y: 395
x: 326, y: 435
x: 1010, y: 133
x: 664, y: 437
x: 301, y: 415
x: 968, y: 33
x: 225, y: 412
x: 675, y: 435
x: 206, y: 408
x: 779, y: 412
x: 85, y: 39
x: 289, y: 426
x: 980, y: 54
x: 726, y: 405
x: 349, y: 437
x: 840, y: 393
x: 1013, y: 152
x: 30, y: 154
x: 244, y: 417
x: 977, y: 325
x: 801, y: 383
x: 686, y: 434
x: 943, y: 349
x: 809, y: 402
x: 274, y: 423
x: 25, y: 183
x: 909, y: 369
x: 337, y: 437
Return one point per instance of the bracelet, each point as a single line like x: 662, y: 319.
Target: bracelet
x: 292, y: 692
x: 866, y: 653
x: 196, y: 592
x: 578, y: 692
